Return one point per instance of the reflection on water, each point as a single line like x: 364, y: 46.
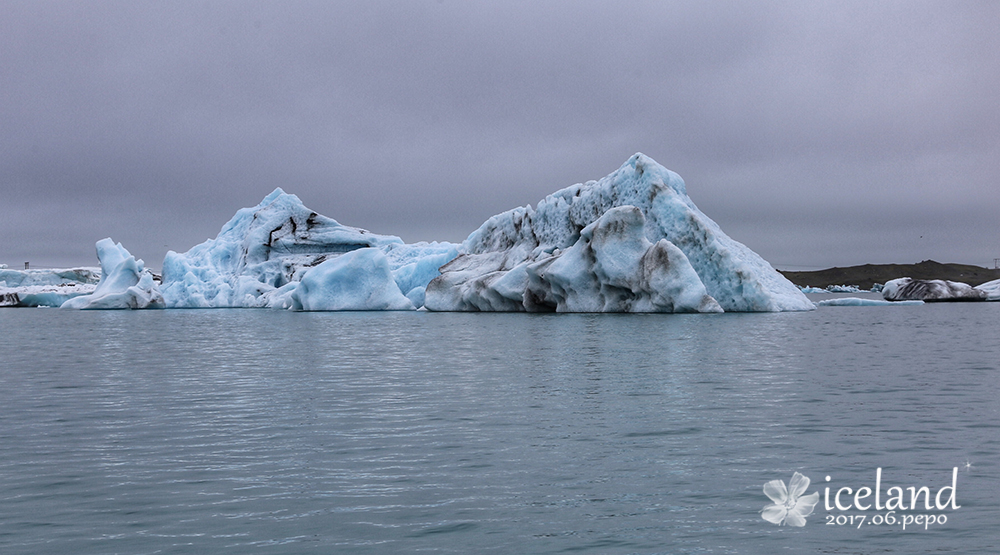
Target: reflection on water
x: 234, y: 430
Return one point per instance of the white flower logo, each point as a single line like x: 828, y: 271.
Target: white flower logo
x: 789, y: 508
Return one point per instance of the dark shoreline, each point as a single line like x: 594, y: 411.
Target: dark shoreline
x: 869, y: 274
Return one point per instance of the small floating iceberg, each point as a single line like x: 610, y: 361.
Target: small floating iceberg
x: 45, y: 287
x: 844, y: 289
x: 876, y: 288
x: 856, y: 301
x: 932, y: 290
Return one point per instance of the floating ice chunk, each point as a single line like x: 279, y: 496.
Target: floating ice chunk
x: 843, y: 289
x: 493, y: 267
x: 43, y: 295
x: 855, y: 301
x: 991, y: 289
x: 125, y: 283
x: 876, y: 288
x: 46, y: 287
x: 57, y: 276
x: 358, y: 280
x: 903, y: 289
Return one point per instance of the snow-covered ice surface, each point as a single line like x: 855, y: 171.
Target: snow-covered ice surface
x: 904, y: 289
x: 125, y: 283
x: 546, y: 258
x: 263, y: 253
x: 45, y: 287
x: 856, y: 301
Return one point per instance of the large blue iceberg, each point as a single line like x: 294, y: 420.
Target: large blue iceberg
x: 631, y: 242
x: 545, y: 258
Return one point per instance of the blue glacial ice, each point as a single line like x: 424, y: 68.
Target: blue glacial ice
x: 503, y: 266
x: 358, y: 280
x: 991, y: 289
x: 45, y: 287
x: 125, y: 282
x: 612, y: 267
x: 264, y: 252
x: 631, y: 242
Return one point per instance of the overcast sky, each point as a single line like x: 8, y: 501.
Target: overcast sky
x: 817, y: 133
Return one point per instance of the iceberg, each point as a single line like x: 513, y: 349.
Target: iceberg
x: 991, y: 289
x: 52, y: 296
x: 45, y: 287
x: 263, y: 253
x: 876, y: 288
x: 933, y: 290
x: 55, y: 276
x: 125, y: 282
x: 632, y: 241
x: 856, y: 301
x: 843, y: 289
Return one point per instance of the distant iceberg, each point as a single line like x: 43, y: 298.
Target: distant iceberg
x: 631, y: 242
x: 45, y: 287
x: 856, y: 301
x: 991, y: 289
x: 546, y: 259
x: 843, y: 289
x: 876, y: 288
x: 904, y: 289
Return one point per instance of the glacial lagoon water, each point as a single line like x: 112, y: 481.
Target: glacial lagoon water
x: 261, y: 431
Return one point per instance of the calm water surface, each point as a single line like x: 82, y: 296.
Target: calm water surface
x: 258, y: 431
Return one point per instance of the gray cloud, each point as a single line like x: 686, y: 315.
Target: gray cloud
x: 818, y: 134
